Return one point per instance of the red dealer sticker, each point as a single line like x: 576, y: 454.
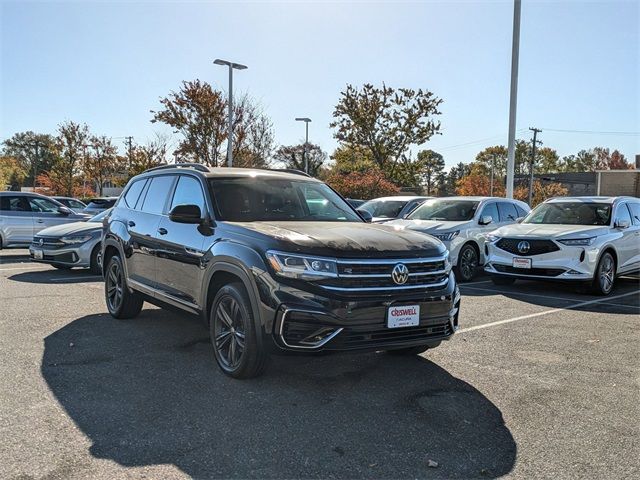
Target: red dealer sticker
x: 403, y: 316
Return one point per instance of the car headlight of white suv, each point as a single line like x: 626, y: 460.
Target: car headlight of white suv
x: 446, y: 237
x: 578, y: 242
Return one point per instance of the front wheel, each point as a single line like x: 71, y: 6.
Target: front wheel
x: 233, y: 331
x: 605, y: 274
x: 467, y: 263
x: 121, y: 302
x: 95, y: 265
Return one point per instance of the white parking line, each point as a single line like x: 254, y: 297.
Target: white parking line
x: 79, y: 277
x: 546, y: 312
x: 499, y: 292
x: 33, y: 267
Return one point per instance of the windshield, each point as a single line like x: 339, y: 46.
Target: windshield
x: 570, y: 213
x: 99, y: 217
x: 384, y: 208
x: 445, y: 210
x: 248, y: 199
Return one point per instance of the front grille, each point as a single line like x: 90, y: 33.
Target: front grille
x: 376, y: 275
x: 47, y: 242
x: 540, y: 272
x: 536, y: 247
x: 352, y: 338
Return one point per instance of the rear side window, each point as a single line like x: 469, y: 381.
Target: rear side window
x: 158, y: 194
x: 14, y: 203
x: 508, y: 212
x: 492, y: 211
x: 521, y: 211
x: 188, y: 192
x: 133, y: 193
x: 634, y: 208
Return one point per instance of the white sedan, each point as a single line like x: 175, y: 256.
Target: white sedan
x: 580, y: 239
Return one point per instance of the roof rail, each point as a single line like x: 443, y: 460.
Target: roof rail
x: 198, y: 166
x: 290, y: 170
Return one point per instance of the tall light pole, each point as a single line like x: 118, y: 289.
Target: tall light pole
x: 515, y: 54
x: 306, y: 141
x: 231, y: 66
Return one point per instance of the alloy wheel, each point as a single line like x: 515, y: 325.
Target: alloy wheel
x: 229, y: 332
x: 468, y: 263
x: 606, y: 274
x: 114, y: 285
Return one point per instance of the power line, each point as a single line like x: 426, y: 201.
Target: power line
x: 475, y: 142
x: 590, y: 132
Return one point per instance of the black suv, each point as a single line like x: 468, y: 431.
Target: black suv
x: 274, y: 261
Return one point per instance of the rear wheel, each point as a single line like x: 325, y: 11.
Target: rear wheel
x: 467, y: 263
x: 121, y: 302
x: 605, y: 275
x: 499, y: 280
x: 232, y: 327
x: 413, y: 350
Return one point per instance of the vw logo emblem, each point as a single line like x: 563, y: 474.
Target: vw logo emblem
x: 41, y: 242
x: 400, y: 274
x: 523, y: 246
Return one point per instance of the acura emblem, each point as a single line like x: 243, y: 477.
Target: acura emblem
x: 400, y: 274
x: 41, y: 241
x: 523, y: 246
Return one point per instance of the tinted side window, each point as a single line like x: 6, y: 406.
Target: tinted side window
x: 133, y: 193
x: 521, y: 211
x: 490, y: 210
x: 14, y: 204
x: 188, y: 192
x: 635, y: 212
x: 623, y: 213
x: 42, y: 205
x: 157, y: 194
x: 76, y: 204
x: 508, y: 212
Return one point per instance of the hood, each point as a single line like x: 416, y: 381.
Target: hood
x: 343, y: 239
x: 428, y: 226
x: 69, y: 229
x: 531, y: 230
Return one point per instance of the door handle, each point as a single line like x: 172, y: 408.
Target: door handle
x: 40, y: 221
x: 162, y: 231
x: 131, y: 223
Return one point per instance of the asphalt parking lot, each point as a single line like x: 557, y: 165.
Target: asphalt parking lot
x: 541, y: 382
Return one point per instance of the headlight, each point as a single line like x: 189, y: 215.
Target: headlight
x: 76, y: 239
x: 492, y: 238
x: 578, y: 242
x: 445, y: 237
x: 303, y: 267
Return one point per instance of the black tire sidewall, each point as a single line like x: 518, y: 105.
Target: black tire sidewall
x: 459, y: 269
x: 596, y: 287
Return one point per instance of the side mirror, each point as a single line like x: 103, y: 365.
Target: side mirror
x: 622, y: 224
x: 365, y: 214
x: 64, y: 211
x: 485, y: 220
x: 186, y: 214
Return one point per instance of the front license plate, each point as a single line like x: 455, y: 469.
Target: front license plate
x: 37, y: 254
x: 521, y: 262
x: 403, y: 316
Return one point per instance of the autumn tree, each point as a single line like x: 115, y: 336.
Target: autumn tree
x: 352, y: 158
x: 583, y: 161
x: 541, y: 192
x: 70, y: 143
x: 36, y: 152
x: 102, y: 163
x: 360, y: 185
x: 152, y: 154
x: 607, y: 160
x: 292, y: 156
x: 12, y: 173
x: 253, y: 135
x: 432, y: 166
x: 386, y: 121
x: 479, y: 184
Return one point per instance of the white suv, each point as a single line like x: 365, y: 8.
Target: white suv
x: 587, y: 239
x: 462, y: 223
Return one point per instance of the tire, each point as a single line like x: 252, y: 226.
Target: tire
x: 604, y: 276
x: 233, y: 331
x: 468, y: 261
x: 95, y: 264
x: 499, y: 280
x: 121, y: 302
x: 413, y: 350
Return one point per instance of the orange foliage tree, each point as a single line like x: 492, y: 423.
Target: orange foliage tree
x: 363, y: 185
x: 50, y: 183
x: 541, y: 191
x: 478, y: 184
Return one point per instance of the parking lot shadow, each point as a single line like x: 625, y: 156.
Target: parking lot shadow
x: 147, y: 392
x: 51, y: 276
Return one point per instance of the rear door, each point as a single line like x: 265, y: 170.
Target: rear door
x: 16, y: 220
x: 142, y: 227
x: 46, y: 214
x: 179, y: 271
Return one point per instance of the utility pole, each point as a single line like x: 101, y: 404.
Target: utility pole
x: 513, y: 101
x: 532, y: 162
x: 231, y: 66
x: 129, y: 142
x: 493, y: 159
x: 36, y: 144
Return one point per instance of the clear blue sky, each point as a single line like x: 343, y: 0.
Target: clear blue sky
x: 107, y: 64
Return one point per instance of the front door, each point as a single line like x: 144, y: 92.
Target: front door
x: 179, y: 268
x: 46, y: 214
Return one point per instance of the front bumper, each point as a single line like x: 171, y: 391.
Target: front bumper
x: 566, y: 264
x: 313, y: 323
x: 72, y: 255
